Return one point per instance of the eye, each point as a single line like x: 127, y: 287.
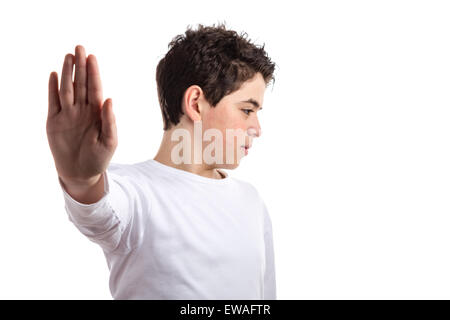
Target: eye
x: 247, y: 111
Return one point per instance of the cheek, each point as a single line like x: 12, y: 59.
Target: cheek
x: 231, y: 120
x: 223, y: 120
x: 214, y: 120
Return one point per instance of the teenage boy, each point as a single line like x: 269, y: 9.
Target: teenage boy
x: 176, y: 226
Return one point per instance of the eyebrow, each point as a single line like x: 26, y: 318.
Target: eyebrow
x: 253, y: 102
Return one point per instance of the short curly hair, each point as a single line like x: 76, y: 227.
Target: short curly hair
x: 216, y: 59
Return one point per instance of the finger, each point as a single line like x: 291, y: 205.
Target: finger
x: 66, y: 90
x: 109, y: 129
x: 80, y: 75
x: 94, y: 84
x: 54, y: 106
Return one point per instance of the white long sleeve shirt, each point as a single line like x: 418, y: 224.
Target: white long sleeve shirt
x: 171, y: 234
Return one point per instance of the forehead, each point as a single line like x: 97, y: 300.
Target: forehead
x: 253, y: 88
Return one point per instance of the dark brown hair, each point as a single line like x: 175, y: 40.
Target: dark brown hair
x: 216, y: 59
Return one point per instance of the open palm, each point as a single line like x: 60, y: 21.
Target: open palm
x: 81, y: 128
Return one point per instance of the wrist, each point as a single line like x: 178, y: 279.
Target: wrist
x: 81, y: 182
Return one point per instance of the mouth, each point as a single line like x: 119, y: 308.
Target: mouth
x: 246, y: 147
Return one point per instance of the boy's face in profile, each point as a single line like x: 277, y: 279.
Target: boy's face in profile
x: 236, y: 113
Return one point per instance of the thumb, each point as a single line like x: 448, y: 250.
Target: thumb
x: 109, y: 129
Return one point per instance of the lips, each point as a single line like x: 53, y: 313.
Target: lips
x: 246, y: 147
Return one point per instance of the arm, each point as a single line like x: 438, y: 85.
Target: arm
x: 82, y: 136
x: 115, y: 222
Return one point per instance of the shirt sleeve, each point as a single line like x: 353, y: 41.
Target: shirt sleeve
x: 108, y: 222
x: 269, y: 275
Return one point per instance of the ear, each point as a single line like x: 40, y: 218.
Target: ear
x: 192, y: 107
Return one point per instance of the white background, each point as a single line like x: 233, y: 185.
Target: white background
x: 353, y: 162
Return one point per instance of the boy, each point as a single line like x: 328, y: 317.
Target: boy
x: 176, y: 226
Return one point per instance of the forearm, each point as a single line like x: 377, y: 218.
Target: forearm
x: 106, y: 221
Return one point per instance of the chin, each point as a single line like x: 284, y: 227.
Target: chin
x: 229, y: 166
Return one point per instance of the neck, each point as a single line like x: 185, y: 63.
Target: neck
x: 164, y: 156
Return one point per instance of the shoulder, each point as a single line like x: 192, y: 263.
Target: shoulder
x: 244, y: 184
x: 258, y: 204
x: 249, y: 189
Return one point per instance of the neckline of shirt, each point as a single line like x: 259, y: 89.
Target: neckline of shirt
x: 189, y: 175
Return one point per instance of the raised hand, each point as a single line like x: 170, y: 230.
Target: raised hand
x: 81, y: 128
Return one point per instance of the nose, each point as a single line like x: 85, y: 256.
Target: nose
x: 255, y: 130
